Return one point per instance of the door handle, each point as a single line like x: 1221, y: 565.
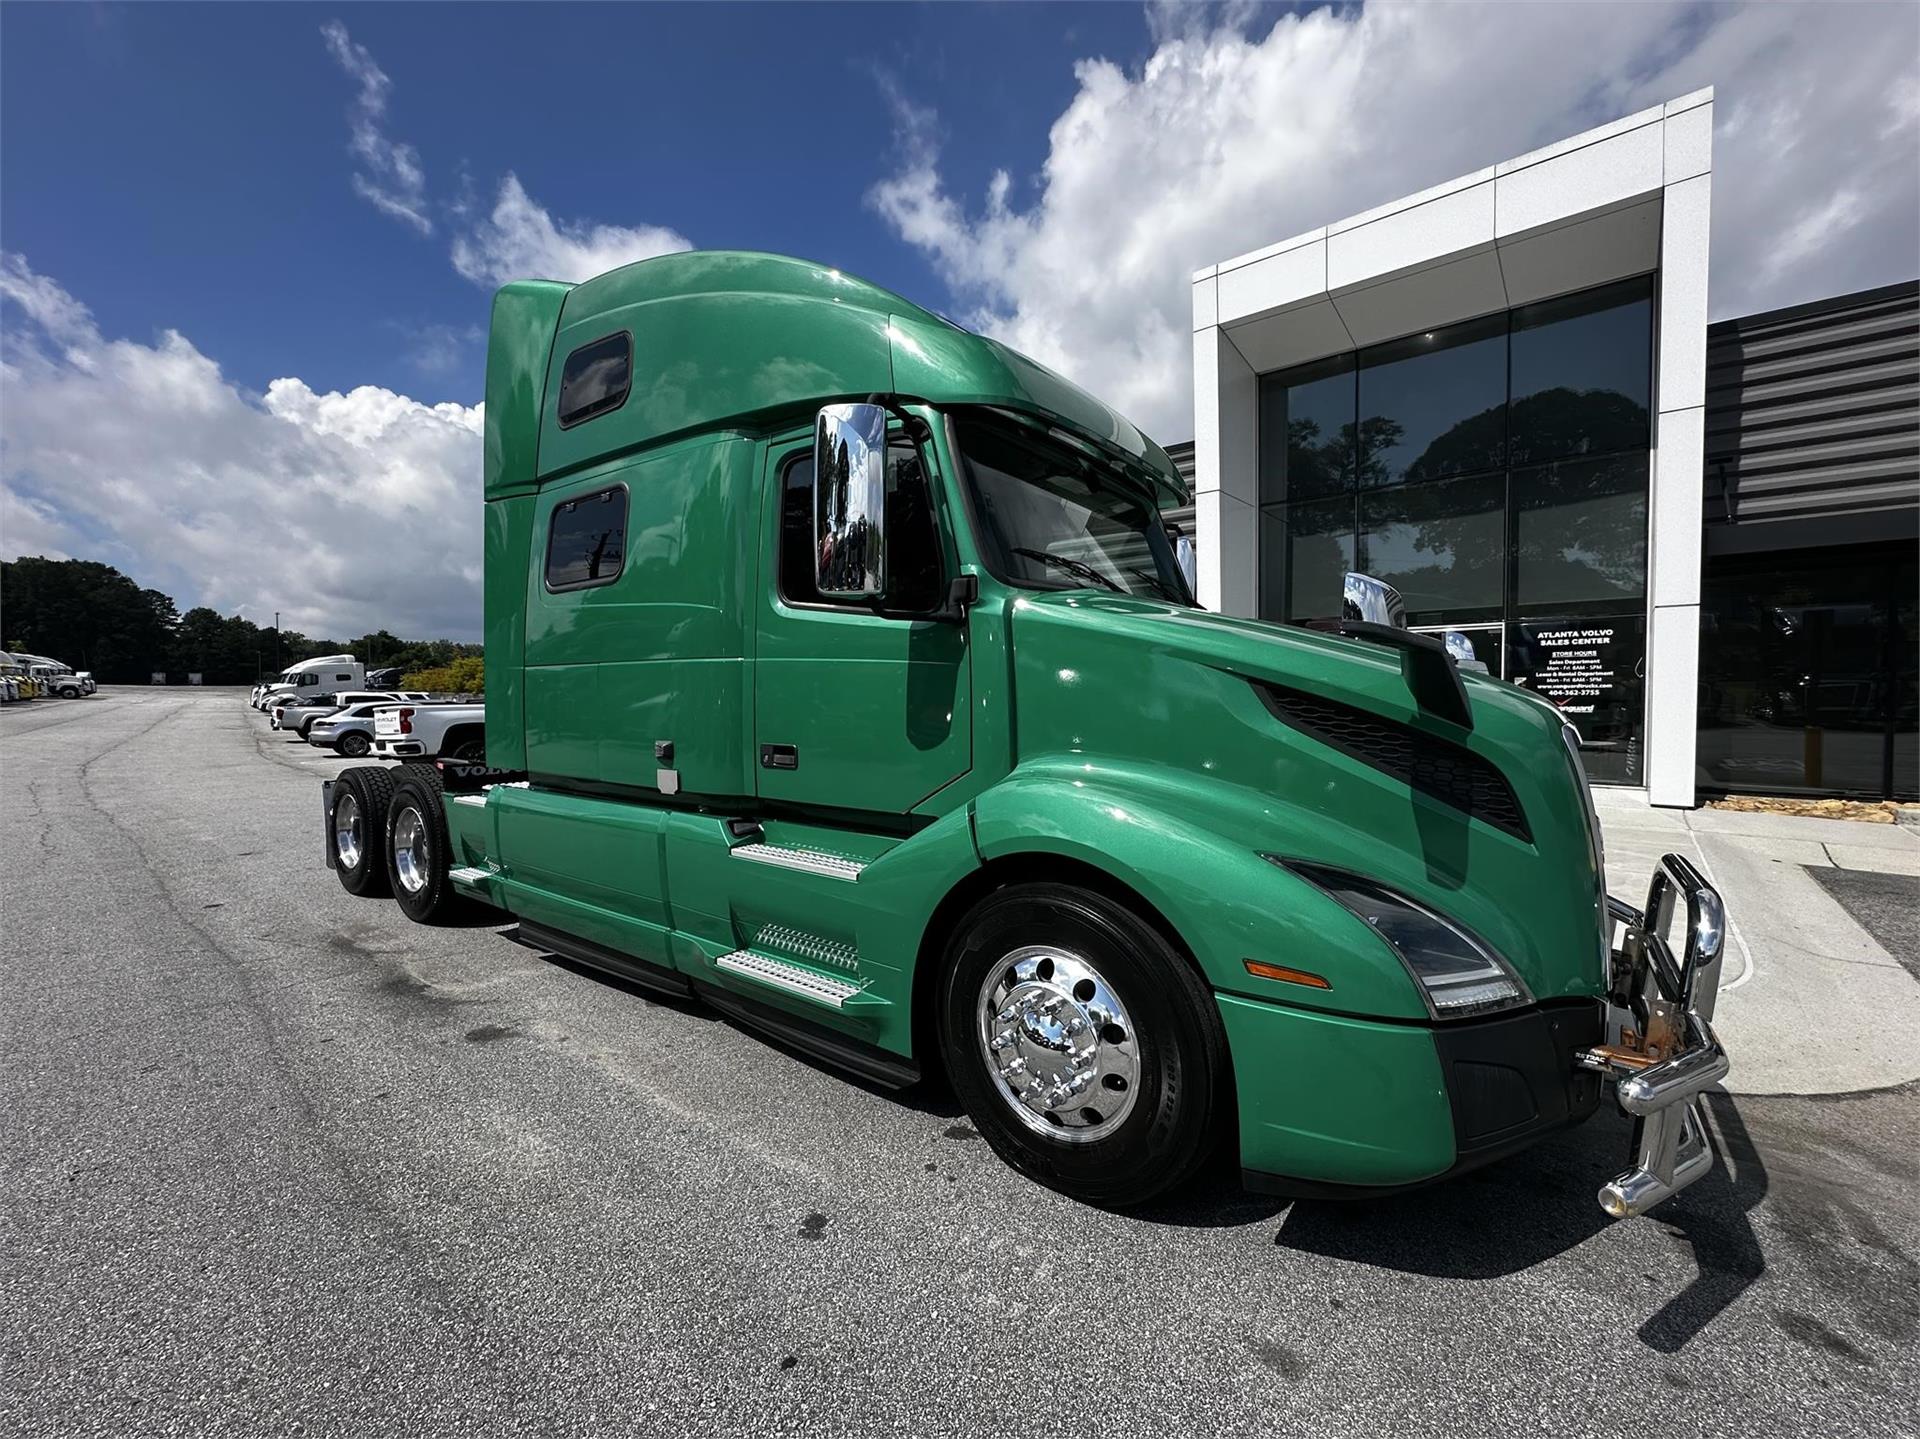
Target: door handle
x: 779, y: 756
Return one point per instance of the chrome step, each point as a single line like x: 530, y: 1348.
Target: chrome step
x: 469, y: 874
x: 820, y: 988
x: 809, y: 861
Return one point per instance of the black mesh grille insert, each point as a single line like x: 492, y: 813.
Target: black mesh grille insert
x: 1438, y: 768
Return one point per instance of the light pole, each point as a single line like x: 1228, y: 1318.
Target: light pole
x: 276, y: 637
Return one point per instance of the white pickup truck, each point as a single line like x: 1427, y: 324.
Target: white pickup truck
x: 431, y: 731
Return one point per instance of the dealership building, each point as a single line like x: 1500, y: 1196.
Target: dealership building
x: 1502, y: 396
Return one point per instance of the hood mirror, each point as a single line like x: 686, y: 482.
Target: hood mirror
x: 850, y: 502
x: 1372, y: 601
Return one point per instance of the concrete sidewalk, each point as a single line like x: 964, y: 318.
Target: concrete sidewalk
x: 1810, y: 1002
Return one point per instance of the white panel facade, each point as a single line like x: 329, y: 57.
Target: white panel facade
x: 1310, y: 330
x: 1685, y: 221
x: 1673, y: 704
x: 1587, y: 178
x: 1688, y: 138
x: 1624, y: 199
x: 1274, y: 282
x: 1609, y: 246
x: 1673, y: 560
x: 1424, y: 299
x: 1229, y: 527
x: 1454, y: 224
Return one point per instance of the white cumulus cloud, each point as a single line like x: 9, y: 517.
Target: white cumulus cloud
x: 392, y: 178
x: 519, y: 240
x: 344, y: 512
x: 1228, y: 139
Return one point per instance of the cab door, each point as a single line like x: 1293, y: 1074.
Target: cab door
x: 858, y: 706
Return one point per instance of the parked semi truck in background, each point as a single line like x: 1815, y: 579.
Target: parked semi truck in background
x: 327, y: 674
x: 839, y: 672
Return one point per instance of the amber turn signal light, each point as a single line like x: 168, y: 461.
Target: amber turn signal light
x: 1281, y: 972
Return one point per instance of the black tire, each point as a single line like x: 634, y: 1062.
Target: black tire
x: 468, y: 748
x: 426, y: 895
x: 1181, y: 1079
x: 354, y: 745
x: 371, y: 789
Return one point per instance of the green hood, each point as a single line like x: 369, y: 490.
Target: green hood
x: 1171, y: 699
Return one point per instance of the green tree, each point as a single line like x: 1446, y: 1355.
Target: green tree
x: 464, y: 675
x: 86, y: 614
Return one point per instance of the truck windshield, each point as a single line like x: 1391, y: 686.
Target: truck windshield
x: 1057, y: 519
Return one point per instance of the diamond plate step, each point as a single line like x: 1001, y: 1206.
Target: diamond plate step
x: 820, y: 988
x: 809, y: 861
x: 469, y: 874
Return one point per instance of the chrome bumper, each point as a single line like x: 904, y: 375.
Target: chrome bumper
x: 1661, y: 1046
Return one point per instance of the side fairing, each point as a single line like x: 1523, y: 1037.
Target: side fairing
x: 519, y: 340
x: 509, y: 524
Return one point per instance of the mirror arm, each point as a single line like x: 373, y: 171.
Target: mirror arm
x: 918, y: 430
x: 962, y: 594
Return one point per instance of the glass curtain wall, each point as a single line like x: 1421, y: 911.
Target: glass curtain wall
x: 1495, y: 472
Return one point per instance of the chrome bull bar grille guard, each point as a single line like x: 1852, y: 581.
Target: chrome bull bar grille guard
x: 1661, y: 1047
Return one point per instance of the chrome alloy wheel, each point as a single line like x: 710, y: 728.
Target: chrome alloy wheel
x: 410, y: 849
x: 348, y: 841
x: 1059, y: 1041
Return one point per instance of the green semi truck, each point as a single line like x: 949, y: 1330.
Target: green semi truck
x: 840, y: 674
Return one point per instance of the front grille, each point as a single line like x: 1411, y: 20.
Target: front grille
x: 1437, y: 768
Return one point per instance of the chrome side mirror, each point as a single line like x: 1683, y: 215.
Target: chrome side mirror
x: 1461, y: 649
x: 1375, y: 602
x: 850, y: 502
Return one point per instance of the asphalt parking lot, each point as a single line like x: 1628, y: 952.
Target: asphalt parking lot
x: 277, y: 1161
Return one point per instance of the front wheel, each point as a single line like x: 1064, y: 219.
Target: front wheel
x: 1084, y: 1046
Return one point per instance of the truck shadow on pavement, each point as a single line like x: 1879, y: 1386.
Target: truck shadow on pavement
x: 1488, y: 1224
x: 1523, y: 1211
x: 926, y: 1097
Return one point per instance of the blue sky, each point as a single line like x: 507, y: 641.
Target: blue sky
x: 253, y: 244
x: 187, y: 166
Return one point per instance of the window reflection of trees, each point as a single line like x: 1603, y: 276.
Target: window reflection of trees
x: 1442, y: 545
x: 1580, y: 531
x: 1569, y: 462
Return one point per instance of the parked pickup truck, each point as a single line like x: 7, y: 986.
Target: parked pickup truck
x: 429, y: 731
x: 298, y: 714
x: 840, y: 673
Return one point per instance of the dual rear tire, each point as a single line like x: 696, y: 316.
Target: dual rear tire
x: 356, y: 829
x: 388, y: 833
x: 419, y: 849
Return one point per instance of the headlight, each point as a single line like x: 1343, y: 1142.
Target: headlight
x: 1456, y: 973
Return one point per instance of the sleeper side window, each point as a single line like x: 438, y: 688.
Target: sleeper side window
x: 914, y: 567
x: 587, y: 540
x: 595, y: 379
